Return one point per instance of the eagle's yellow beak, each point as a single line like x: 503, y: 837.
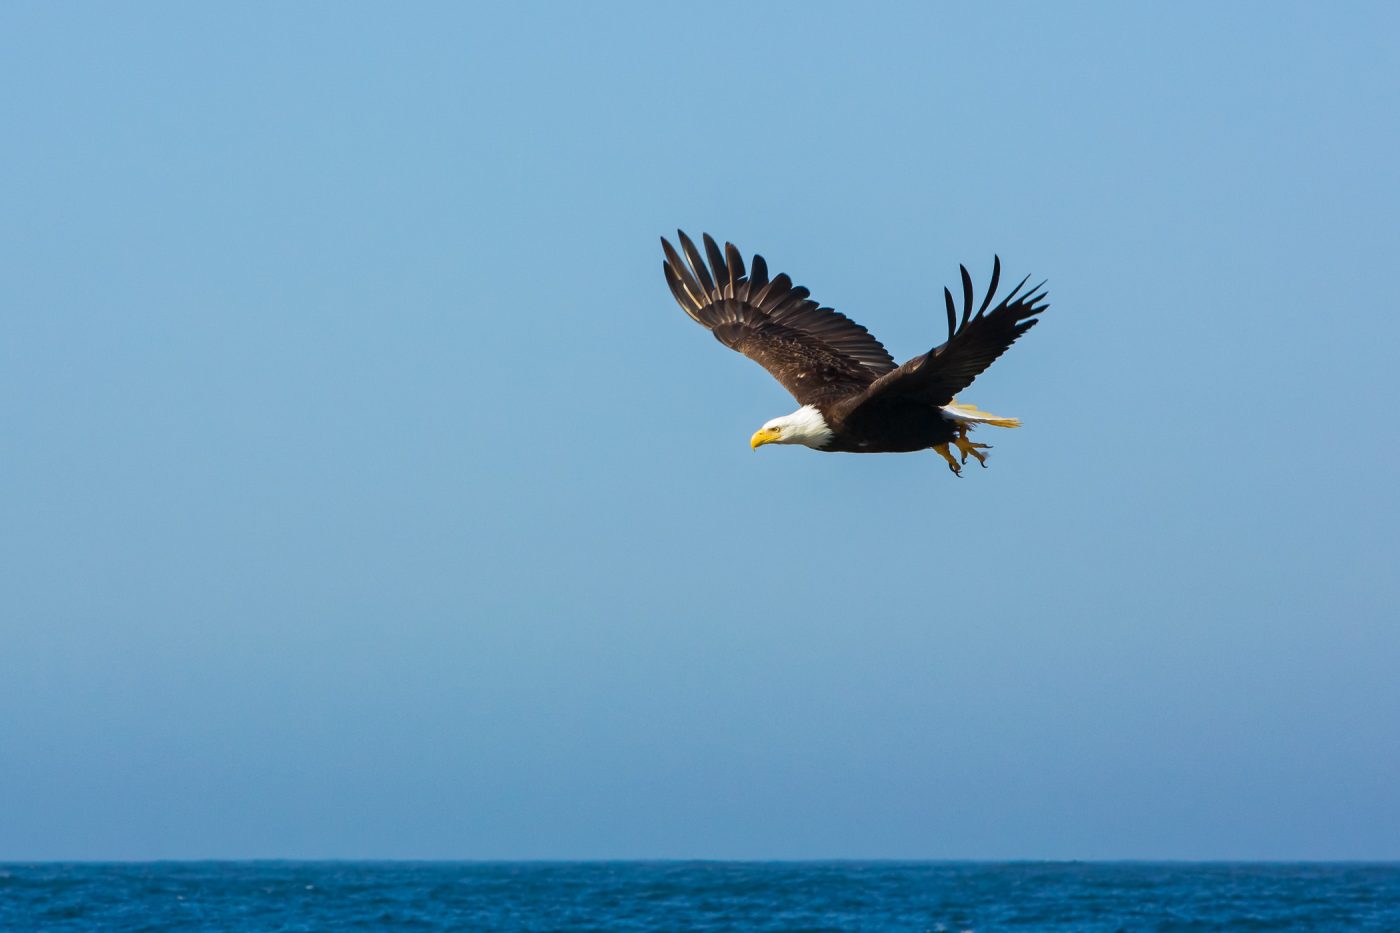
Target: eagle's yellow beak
x: 764, y: 436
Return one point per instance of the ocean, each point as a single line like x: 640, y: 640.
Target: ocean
x: 918, y: 897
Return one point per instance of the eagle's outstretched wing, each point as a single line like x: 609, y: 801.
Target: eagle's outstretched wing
x: 818, y: 354
x: 973, y: 343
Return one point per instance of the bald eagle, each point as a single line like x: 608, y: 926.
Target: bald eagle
x: 854, y: 398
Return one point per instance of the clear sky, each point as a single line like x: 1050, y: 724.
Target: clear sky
x: 363, y: 492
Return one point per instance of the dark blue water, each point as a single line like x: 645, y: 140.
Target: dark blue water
x: 711, y: 896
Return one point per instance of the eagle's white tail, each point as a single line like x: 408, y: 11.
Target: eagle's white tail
x: 971, y: 414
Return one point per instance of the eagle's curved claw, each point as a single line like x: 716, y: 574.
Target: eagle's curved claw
x: 968, y: 448
x: 947, y: 455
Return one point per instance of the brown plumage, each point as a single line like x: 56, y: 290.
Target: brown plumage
x: 833, y: 364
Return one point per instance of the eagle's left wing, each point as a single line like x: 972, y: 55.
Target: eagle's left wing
x: 818, y: 354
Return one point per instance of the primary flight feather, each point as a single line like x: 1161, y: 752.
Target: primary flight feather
x: 853, y: 397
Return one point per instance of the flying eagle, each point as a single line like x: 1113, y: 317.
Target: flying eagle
x: 853, y: 396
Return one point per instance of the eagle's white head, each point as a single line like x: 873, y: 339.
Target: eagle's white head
x: 806, y: 426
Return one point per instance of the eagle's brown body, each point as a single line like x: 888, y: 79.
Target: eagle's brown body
x: 898, y: 426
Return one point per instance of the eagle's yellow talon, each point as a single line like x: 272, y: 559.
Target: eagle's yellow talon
x: 947, y: 455
x: 968, y: 448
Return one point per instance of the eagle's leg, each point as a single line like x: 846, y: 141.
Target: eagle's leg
x: 946, y: 455
x: 969, y: 448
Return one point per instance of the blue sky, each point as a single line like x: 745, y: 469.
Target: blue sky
x: 365, y: 494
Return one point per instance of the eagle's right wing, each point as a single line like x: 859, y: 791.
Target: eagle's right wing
x: 972, y: 345
x: 818, y: 354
